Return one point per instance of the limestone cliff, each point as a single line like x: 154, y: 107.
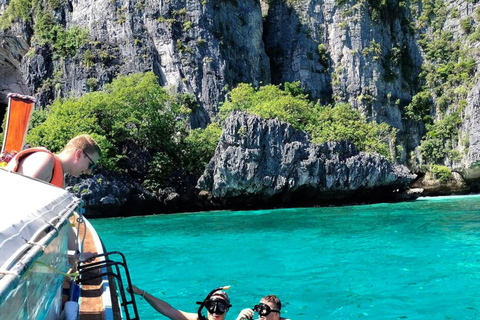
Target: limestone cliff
x: 262, y: 162
x: 12, y: 49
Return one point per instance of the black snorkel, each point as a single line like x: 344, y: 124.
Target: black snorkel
x: 202, y: 303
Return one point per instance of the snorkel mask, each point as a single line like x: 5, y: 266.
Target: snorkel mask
x: 264, y: 309
x: 218, y: 306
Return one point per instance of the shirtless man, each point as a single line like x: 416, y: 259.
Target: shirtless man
x: 268, y: 309
x: 79, y: 156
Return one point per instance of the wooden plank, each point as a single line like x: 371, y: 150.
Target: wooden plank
x: 91, y: 303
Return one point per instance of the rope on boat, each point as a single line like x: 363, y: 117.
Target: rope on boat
x: 52, y: 225
x: 37, y: 244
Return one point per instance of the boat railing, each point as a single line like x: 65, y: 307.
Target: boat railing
x: 24, y: 257
x: 117, y: 269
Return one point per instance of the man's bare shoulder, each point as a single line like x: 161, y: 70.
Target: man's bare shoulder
x: 38, y: 159
x: 37, y: 165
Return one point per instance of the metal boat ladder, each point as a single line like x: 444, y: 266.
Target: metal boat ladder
x: 107, y: 267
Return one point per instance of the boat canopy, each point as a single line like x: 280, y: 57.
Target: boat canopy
x: 32, y: 214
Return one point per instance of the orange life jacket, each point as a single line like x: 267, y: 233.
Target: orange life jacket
x: 57, y: 174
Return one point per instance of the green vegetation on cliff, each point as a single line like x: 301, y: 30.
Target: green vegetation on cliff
x: 290, y: 105
x: 64, y: 42
x: 17, y: 9
x: 447, y: 76
x: 201, y: 144
x: 47, y: 30
x: 324, y: 123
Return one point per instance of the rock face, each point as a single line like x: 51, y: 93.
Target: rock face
x: 470, y: 168
x: 194, y: 47
x: 107, y: 195
x: 260, y: 162
x: 12, y: 50
x: 336, y: 50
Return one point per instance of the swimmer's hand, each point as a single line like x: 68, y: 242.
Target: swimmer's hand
x: 245, y: 314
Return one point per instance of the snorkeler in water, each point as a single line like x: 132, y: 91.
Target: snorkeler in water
x: 217, y: 304
x: 268, y: 309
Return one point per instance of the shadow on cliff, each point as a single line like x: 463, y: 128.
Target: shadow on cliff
x: 294, y: 54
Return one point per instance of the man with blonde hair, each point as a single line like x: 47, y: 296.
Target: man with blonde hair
x: 79, y: 156
x: 268, y: 309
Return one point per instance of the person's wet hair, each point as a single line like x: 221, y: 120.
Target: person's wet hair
x: 273, y: 299
x: 222, y: 294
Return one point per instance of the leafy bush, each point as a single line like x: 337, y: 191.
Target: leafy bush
x: 161, y: 165
x: 466, y: 25
x: 374, y: 50
x: 441, y: 173
x: 270, y: 102
x: 323, y: 55
x: 92, y: 84
x: 435, y: 145
x: 392, y: 60
x: 200, y: 145
x: 46, y: 28
x: 454, y: 13
x: 88, y: 58
x: 420, y: 106
x: 16, y: 9
x: 65, y: 42
x: 342, y: 122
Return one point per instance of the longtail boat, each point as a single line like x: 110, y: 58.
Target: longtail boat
x: 53, y: 264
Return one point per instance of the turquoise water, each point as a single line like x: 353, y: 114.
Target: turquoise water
x: 412, y: 260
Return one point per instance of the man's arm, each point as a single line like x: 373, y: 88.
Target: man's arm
x: 164, y: 308
x: 37, y: 165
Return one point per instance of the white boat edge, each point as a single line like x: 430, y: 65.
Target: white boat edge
x: 34, y: 245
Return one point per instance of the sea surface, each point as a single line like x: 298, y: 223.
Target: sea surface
x: 410, y: 260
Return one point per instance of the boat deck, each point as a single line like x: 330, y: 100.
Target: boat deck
x: 91, y: 303
x: 98, y: 298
